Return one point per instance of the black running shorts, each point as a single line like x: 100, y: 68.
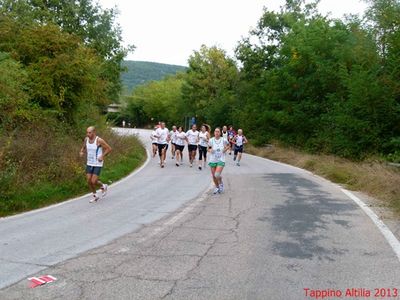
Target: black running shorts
x: 162, y: 146
x: 192, y: 148
x: 238, y: 149
x: 179, y: 147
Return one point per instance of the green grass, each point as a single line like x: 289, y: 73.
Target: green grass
x: 43, y: 193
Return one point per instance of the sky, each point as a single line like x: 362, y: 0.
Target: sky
x: 168, y: 31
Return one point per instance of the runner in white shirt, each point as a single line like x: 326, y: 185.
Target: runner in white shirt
x: 231, y: 135
x: 154, y: 143
x: 179, y: 145
x: 192, y: 138
x: 217, y: 146
x: 224, y: 133
x: 204, y: 137
x: 163, y: 138
x: 172, y: 135
x: 239, y: 140
x: 96, y: 149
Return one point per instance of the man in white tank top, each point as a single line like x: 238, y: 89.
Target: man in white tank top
x: 239, y: 140
x: 96, y: 149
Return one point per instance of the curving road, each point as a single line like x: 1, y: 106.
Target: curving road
x: 277, y: 231
x: 33, y: 241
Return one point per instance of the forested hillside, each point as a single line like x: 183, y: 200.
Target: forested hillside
x: 140, y: 72
x: 301, y: 78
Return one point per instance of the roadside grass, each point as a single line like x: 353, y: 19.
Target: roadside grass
x: 47, y: 188
x: 372, y: 176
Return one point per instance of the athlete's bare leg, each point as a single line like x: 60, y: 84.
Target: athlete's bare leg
x: 96, y: 182
x: 154, y: 149
x: 89, y: 181
x: 214, y: 178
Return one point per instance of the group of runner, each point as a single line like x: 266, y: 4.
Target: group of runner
x: 212, y: 148
x: 202, y: 143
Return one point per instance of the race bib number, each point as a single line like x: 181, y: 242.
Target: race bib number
x: 218, y: 154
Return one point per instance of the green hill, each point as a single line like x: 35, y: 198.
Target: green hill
x: 140, y: 72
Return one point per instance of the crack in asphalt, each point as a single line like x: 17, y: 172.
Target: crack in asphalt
x: 188, y: 273
x: 215, y: 242
x: 110, y: 268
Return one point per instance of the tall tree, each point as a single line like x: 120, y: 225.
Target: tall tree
x: 95, y: 26
x: 317, y: 83
x: 62, y: 74
x: 209, y: 88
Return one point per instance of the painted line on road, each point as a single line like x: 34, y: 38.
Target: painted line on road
x: 24, y: 214
x: 387, y: 233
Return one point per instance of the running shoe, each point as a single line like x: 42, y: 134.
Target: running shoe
x: 238, y: 164
x: 94, y: 199
x: 200, y: 168
x: 177, y: 164
x: 221, y: 188
x: 216, y: 191
x: 104, y: 189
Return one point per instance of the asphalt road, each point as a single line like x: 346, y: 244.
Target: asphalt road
x: 160, y: 234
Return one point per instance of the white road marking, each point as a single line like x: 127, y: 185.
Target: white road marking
x: 389, y: 236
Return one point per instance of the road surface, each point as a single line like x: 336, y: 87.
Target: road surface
x: 160, y: 234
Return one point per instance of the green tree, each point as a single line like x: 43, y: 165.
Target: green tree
x: 95, y: 26
x: 63, y: 73
x: 156, y: 101
x: 209, y: 87
x: 14, y: 100
x: 317, y: 83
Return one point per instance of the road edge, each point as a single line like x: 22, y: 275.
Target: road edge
x: 389, y: 236
x: 123, y: 179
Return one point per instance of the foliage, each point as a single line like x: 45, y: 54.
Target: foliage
x: 155, y: 101
x: 63, y: 73
x: 209, y: 86
x: 317, y: 83
x: 84, y: 19
x: 46, y: 172
x: 14, y: 100
x: 304, y: 79
x: 59, y: 67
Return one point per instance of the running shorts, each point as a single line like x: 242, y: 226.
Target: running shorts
x: 93, y: 170
x: 192, y: 148
x: 217, y: 164
x: 162, y: 146
x: 179, y: 147
x: 238, y: 149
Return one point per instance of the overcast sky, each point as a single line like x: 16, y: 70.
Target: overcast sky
x: 168, y: 31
